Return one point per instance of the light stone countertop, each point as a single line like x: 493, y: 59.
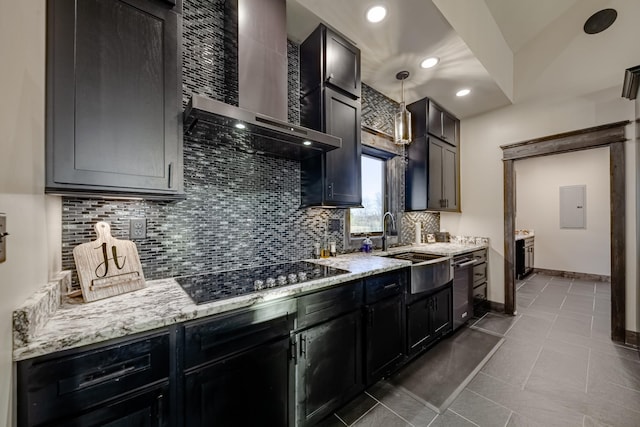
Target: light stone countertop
x: 521, y: 236
x: 164, y: 302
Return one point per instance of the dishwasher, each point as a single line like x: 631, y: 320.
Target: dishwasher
x: 462, y: 289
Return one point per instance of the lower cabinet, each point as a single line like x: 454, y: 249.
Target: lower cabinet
x: 247, y: 389
x: 238, y: 369
x: 329, y: 367
x: 428, y: 319
x: 384, y: 326
x: 287, y: 363
x: 123, y: 382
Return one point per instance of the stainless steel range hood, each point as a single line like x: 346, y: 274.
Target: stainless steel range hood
x: 260, y: 30
x: 207, y: 117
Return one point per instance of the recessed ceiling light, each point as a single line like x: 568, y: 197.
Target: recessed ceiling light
x: 240, y: 125
x: 376, y: 13
x: 430, y: 62
x: 463, y: 92
x: 306, y: 143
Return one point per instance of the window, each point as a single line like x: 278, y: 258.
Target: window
x: 368, y: 220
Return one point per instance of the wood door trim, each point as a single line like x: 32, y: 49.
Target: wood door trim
x: 611, y: 135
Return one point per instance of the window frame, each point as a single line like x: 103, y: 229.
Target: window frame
x: 354, y: 241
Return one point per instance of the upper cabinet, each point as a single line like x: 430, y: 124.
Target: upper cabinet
x: 430, y: 118
x: 433, y: 166
x: 332, y: 178
x: 328, y: 58
x: 113, y: 98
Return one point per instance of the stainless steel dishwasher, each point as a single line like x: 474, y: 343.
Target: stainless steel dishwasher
x: 462, y: 289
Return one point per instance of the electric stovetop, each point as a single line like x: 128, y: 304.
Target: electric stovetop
x: 207, y: 287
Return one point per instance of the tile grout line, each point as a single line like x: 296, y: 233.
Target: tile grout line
x: 394, y: 412
x: 509, y: 419
x: 591, y: 328
x: 476, y: 322
x: 514, y: 323
x: 586, y: 385
x: 363, y: 415
x: 485, y: 397
x: 463, y: 417
x: 341, y: 420
x: 563, y: 301
x: 531, y: 370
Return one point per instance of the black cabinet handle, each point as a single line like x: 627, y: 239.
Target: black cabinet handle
x: 170, y: 173
x: 160, y: 414
x: 391, y: 285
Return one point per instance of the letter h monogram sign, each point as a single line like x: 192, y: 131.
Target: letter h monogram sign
x: 107, y: 266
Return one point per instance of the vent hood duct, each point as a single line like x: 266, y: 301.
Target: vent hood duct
x: 262, y: 89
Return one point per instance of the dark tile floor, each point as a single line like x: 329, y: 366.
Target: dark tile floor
x: 556, y: 367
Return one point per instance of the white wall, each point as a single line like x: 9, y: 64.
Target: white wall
x: 481, y: 173
x: 538, y: 181
x: 33, y: 219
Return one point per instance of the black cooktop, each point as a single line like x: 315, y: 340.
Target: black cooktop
x: 207, y: 287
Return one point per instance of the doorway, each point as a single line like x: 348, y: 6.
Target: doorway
x: 612, y: 136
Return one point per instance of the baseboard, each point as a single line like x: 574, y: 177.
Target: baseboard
x: 632, y: 338
x: 573, y: 275
x: 498, y: 307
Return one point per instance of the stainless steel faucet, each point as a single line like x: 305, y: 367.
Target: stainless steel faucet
x: 384, y: 228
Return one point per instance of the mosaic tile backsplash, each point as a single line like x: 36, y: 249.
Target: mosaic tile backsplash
x: 242, y: 210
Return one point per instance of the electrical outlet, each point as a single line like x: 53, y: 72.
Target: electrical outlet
x: 138, y: 228
x: 3, y: 237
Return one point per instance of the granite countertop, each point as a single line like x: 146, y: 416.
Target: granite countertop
x: 164, y: 302
x: 524, y: 234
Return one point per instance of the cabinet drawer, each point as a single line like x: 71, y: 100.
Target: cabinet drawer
x: 383, y: 286
x: 52, y: 388
x: 480, y: 256
x: 479, y: 273
x: 211, y: 339
x: 324, y: 305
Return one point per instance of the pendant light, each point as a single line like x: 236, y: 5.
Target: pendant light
x: 403, y: 117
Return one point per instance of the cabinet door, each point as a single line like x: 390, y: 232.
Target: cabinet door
x: 113, y: 84
x: 342, y: 62
x: 249, y: 389
x: 342, y: 168
x: 329, y: 368
x: 520, y: 258
x: 384, y: 335
x: 418, y: 325
x: 416, y: 175
x: 450, y: 177
x: 436, y: 170
x: 449, y: 131
x: 435, y: 120
x: 441, y: 314
x: 148, y: 409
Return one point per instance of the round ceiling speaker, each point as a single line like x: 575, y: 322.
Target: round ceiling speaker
x: 600, y: 21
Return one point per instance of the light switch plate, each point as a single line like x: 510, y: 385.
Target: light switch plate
x: 3, y: 241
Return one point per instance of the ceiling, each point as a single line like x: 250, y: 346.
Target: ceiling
x: 505, y: 51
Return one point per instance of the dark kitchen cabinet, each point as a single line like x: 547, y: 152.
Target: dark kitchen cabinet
x: 125, y: 382
x: 328, y: 349
x: 326, y: 58
x: 239, y: 360
x: 428, y: 319
x: 249, y: 389
x: 113, y: 98
x: 524, y: 256
x: 332, y: 178
x: 431, y: 119
x: 432, y: 176
x: 384, y: 329
x: 480, y: 305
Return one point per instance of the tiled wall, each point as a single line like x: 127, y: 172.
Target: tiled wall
x: 241, y: 210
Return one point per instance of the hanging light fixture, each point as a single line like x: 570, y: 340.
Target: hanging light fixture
x: 403, y: 117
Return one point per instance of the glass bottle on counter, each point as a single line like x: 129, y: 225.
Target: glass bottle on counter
x: 324, y: 251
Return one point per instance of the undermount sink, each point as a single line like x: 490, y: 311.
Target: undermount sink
x: 428, y: 271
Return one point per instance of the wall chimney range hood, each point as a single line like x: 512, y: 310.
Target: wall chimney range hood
x: 267, y: 135
x: 260, y: 31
